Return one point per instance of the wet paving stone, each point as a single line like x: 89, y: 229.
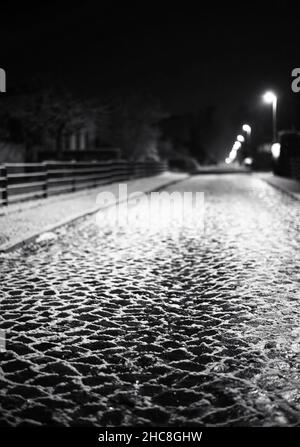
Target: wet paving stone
x: 121, y: 325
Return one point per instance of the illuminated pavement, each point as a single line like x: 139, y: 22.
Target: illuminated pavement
x: 115, y: 326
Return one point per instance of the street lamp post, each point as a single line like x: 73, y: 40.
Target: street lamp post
x: 271, y: 98
x: 274, y: 115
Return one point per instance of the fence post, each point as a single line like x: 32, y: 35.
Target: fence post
x: 73, y: 176
x: 133, y: 170
x: 45, y: 186
x: 4, y: 185
x: 96, y: 179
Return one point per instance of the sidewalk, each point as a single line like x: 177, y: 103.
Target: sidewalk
x: 287, y: 185
x: 25, y: 221
x: 222, y: 169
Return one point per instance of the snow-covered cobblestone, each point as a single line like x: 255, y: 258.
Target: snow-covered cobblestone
x: 111, y: 326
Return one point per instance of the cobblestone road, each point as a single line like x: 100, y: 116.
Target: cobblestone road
x: 115, y: 326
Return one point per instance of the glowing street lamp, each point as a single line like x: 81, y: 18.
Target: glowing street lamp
x: 240, y: 138
x: 276, y: 150
x: 247, y: 129
x: 233, y: 153
x: 237, y: 145
x: 271, y: 98
x: 248, y: 161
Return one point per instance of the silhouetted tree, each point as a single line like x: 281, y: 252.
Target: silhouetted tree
x: 134, y: 126
x: 47, y: 113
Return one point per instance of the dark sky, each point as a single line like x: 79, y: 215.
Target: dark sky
x: 188, y: 56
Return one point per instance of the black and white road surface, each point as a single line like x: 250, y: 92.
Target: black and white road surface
x: 110, y: 325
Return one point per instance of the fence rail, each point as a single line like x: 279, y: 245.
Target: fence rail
x: 27, y: 181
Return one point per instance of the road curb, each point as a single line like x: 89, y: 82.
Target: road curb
x: 11, y: 246
x: 281, y: 189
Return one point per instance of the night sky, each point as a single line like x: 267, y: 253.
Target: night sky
x: 189, y: 57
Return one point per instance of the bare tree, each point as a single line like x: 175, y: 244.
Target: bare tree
x: 48, y: 113
x: 134, y: 126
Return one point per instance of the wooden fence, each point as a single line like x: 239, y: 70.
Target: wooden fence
x: 26, y: 181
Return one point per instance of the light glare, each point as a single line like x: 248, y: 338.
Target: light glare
x: 237, y: 145
x: 232, y: 154
x: 275, y: 149
x: 269, y: 97
x: 246, y: 128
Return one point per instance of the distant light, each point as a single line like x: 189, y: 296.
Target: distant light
x: 275, y: 149
x: 237, y: 145
x: 240, y: 138
x: 269, y: 97
x: 248, y: 161
x: 246, y: 128
x: 228, y: 160
x: 232, y: 154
